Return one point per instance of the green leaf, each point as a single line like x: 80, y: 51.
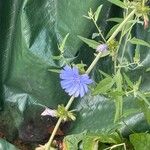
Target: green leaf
x: 119, y: 99
x: 143, y: 97
x: 115, y: 93
x: 139, y: 42
x: 89, y: 18
x: 118, y: 3
x: 91, y: 43
x: 57, y: 57
x: 97, y: 12
x: 103, y: 86
x: 127, y: 28
x: 118, y: 80
x: 140, y: 141
x: 146, y: 111
x: 90, y: 142
x: 62, y: 45
x: 54, y: 70
x: 104, y: 74
x: 110, y: 138
x: 94, y: 35
x: 148, y: 69
x: 129, y: 112
x: 137, y: 85
x: 111, y: 31
x: 72, y: 141
x: 118, y: 20
x: 128, y: 81
x: 137, y: 54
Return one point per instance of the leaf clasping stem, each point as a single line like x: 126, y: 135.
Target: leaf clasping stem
x: 48, y: 144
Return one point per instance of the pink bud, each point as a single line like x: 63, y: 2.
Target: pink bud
x: 102, y: 48
x: 49, y: 112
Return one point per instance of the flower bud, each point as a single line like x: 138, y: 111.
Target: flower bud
x: 102, y: 48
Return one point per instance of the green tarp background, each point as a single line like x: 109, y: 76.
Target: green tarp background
x: 29, y: 35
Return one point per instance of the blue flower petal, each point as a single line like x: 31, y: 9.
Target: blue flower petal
x: 65, y: 84
x: 67, y: 68
x: 82, y: 91
x: 70, y: 90
x: 73, y: 83
x: 85, y: 79
x: 66, y: 76
x: 66, y: 73
x: 76, y: 94
x: 76, y: 88
x: 85, y: 88
x: 75, y: 71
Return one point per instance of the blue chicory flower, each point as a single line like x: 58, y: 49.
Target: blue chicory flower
x: 102, y: 48
x: 73, y: 83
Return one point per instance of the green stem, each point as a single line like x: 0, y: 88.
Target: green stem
x: 93, y: 63
x: 115, y: 60
x: 100, y: 33
x: 121, y: 25
x: 48, y: 144
x: 58, y: 124
x: 123, y: 66
x: 88, y: 71
x: 69, y: 103
x: 119, y: 106
x: 126, y: 41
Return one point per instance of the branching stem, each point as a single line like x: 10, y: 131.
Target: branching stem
x: 48, y: 144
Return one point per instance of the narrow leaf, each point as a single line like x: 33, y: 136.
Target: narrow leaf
x: 104, y: 74
x: 139, y: 42
x: 119, y: 99
x: 137, y: 85
x: 97, y: 12
x: 128, y: 81
x: 91, y: 43
x: 94, y: 35
x: 137, y: 54
x: 54, y: 70
x: 148, y: 69
x: 146, y: 111
x: 143, y: 97
x: 57, y: 57
x: 118, y: 80
x: 114, y: 93
x: 112, y: 31
x: 118, y: 20
x: 103, y: 86
x: 118, y: 3
x: 62, y: 45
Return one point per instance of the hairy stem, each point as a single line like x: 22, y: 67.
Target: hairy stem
x: 88, y: 71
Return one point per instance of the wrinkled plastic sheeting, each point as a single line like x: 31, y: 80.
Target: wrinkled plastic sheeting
x: 31, y: 31
x: 4, y: 145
